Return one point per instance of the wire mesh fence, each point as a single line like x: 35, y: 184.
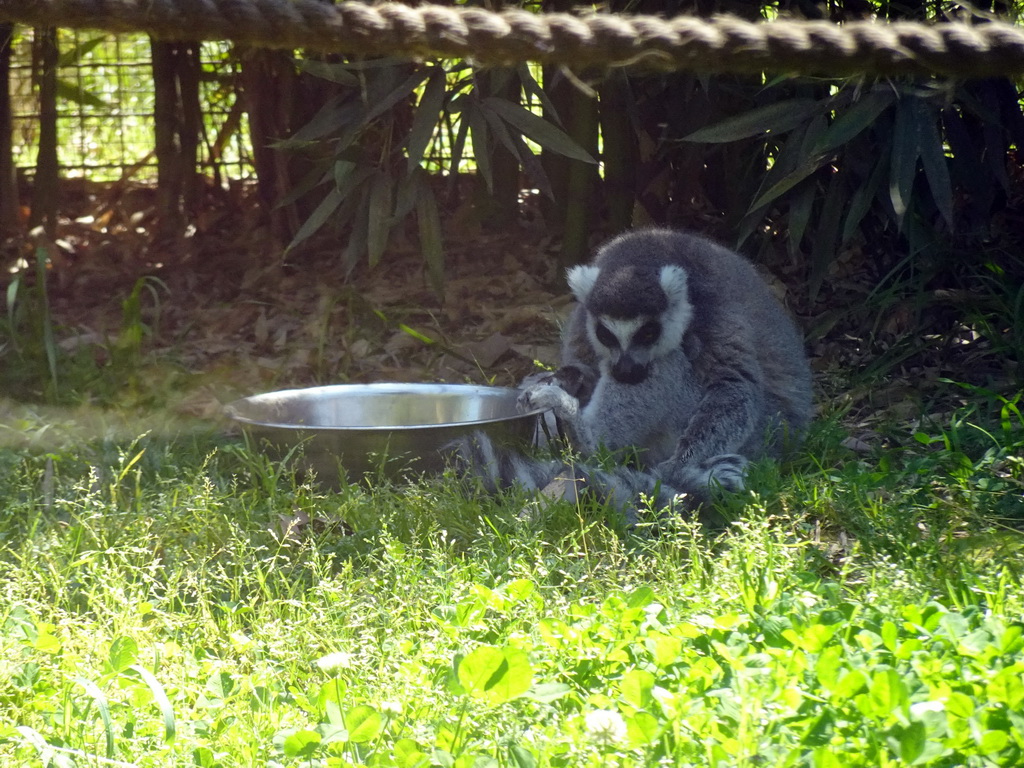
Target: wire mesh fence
x: 105, y: 107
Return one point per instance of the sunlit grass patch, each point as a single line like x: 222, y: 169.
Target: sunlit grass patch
x: 191, y: 603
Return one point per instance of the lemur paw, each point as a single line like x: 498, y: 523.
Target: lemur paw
x: 547, y: 395
x: 727, y: 470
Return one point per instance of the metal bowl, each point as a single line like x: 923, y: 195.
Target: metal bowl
x: 391, y: 428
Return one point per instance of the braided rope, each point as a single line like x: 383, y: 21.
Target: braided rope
x: 720, y: 44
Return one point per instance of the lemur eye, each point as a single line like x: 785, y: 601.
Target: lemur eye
x: 648, y: 334
x: 606, y: 337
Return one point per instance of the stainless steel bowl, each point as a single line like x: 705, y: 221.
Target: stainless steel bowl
x: 393, y: 428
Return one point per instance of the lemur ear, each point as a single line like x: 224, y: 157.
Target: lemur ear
x: 581, y: 280
x: 673, y: 283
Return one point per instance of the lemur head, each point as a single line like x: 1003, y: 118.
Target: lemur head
x: 636, y: 313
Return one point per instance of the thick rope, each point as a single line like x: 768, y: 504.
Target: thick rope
x: 720, y: 44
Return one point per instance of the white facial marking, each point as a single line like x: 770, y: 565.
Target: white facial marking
x: 679, y: 313
x: 581, y: 280
x: 623, y: 330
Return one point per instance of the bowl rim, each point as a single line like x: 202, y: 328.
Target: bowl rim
x: 381, y: 387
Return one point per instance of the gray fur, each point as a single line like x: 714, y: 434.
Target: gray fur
x: 725, y: 382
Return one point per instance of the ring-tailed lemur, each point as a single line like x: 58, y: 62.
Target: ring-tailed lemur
x: 677, y: 352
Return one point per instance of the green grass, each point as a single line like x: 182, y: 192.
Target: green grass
x: 184, y: 602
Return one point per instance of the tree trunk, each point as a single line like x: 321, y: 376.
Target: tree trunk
x: 619, y: 151
x: 499, y: 207
x: 178, y: 121
x: 582, y: 197
x: 268, y: 86
x: 45, y: 190
x: 8, y: 182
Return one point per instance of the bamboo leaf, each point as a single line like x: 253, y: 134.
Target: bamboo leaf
x: 535, y: 127
x: 333, y: 71
x: 431, y: 238
x: 358, y: 237
x: 406, y: 191
x: 854, y: 120
x: 329, y: 117
x: 318, y: 217
x: 860, y: 201
x: 458, y: 147
x: 791, y: 180
x: 532, y: 88
x: 427, y: 114
x: 777, y: 118
x: 404, y: 89
x: 825, y: 234
x: 532, y: 166
x: 800, y: 207
x: 481, y: 141
x: 379, y: 221
x: 933, y: 158
x: 77, y: 94
x: 73, y: 56
x: 903, y: 163
x: 500, y: 130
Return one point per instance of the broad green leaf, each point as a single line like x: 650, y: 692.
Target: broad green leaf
x: 521, y: 757
x: 826, y: 757
x: 636, y: 686
x: 640, y: 597
x: 302, y: 744
x: 160, y: 697
x: 993, y: 742
x: 379, y: 217
x: 812, y: 638
x: 849, y: 685
x: 520, y: 590
x: 330, y: 699
x: 1008, y: 687
x: 912, y: 742
x: 122, y: 654
x: 408, y: 754
x: 888, y: 692
x: 642, y: 729
x: 778, y: 117
x: 496, y: 675
x: 548, y: 692
x: 428, y: 112
x: 1012, y: 638
x: 363, y: 723
x: 535, y: 127
x: 960, y: 705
